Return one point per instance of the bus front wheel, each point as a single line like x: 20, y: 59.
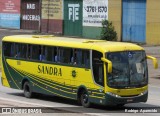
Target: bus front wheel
x: 85, y: 99
x: 27, y: 90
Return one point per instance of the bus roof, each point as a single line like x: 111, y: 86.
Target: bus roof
x: 100, y: 45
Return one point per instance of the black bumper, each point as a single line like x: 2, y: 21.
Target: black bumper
x: 113, y: 100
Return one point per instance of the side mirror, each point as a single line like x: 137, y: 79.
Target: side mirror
x: 155, y: 62
x: 109, y: 64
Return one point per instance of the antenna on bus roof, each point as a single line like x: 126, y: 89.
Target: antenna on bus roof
x: 42, y: 36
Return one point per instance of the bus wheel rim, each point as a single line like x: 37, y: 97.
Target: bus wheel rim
x: 85, y: 98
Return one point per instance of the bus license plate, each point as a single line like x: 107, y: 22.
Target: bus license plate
x: 129, y: 100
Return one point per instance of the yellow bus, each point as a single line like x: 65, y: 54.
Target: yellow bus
x: 89, y: 71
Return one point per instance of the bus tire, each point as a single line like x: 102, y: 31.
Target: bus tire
x: 27, y: 90
x: 84, y: 99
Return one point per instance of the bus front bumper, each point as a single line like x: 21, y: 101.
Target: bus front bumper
x: 112, y: 99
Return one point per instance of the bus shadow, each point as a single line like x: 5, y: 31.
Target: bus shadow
x: 50, y: 98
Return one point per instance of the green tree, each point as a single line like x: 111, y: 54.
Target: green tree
x: 108, y: 32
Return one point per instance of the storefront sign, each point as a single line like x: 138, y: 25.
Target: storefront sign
x: 94, y: 11
x: 52, y: 9
x: 9, y: 6
x: 73, y: 12
x: 10, y: 20
x: 10, y: 14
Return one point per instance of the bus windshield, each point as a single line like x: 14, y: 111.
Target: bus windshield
x: 129, y: 69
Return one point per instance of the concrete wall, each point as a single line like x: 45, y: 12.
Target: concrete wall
x: 114, y: 15
x: 153, y: 22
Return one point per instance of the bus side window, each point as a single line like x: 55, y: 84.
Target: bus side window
x: 57, y: 55
x: 23, y: 51
x: 67, y: 55
x: 35, y: 52
x: 54, y: 53
x: 79, y: 57
x: 20, y: 50
x: 64, y: 55
x: 73, y: 56
x: 86, y: 58
x: 98, y: 69
x: 28, y: 51
x: 12, y: 49
x: 42, y: 55
x: 49, y: 53
x: 82, y: 58
x: 17, y: 50
x: 8, y: 49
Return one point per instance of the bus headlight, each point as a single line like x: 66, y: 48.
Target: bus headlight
x: 145, y: 92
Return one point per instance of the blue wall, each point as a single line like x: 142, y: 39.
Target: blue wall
x: 9, y: 20
x: 134, y: 21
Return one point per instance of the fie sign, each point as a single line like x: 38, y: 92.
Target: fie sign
x: 73, y: 10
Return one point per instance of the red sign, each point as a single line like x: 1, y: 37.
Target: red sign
x: 9, y: 6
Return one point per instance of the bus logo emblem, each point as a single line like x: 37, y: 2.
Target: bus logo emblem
x: 74, y: 73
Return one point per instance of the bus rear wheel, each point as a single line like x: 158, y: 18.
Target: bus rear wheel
x: 84, y: 99
x: 27, y: 90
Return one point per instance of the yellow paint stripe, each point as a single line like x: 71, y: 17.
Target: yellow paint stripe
x: 51, y: 91
x: 97, y: 97
x: 98, y: 93
x: 48, y: 85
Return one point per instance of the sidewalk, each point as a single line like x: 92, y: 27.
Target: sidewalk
x: 17, y: 30
x: 152, y: 50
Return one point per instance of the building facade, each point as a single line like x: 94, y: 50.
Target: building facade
x: 134, y: 20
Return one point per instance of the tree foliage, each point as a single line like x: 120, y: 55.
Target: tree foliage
x: 108, y: 32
